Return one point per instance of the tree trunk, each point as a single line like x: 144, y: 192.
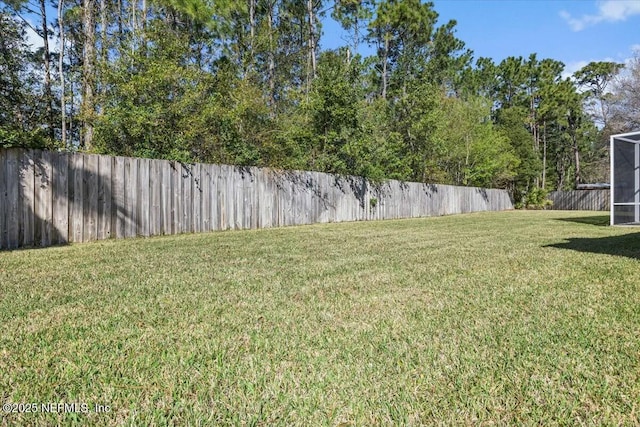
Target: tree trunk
x: 311, y: 73
x: 576, y: 159
x: 88, y: 62
x: 271, y: 61
x: 384, y: 67
x: 63, y: 107
x: 544, y: 154
x: 120, y: 30
x: 143, y: 16
x: 47, y: 71
x: 103, y: 47
x: 252, y: 32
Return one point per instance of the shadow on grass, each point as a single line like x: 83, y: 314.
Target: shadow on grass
x: 627, y: 245
x: 598, y: 220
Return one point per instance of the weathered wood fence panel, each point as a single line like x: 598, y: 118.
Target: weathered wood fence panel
x: 52, y: 198
x: 583, y: 200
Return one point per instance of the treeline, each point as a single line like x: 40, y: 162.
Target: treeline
x: 248, y: 83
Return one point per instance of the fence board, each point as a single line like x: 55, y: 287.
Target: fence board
x: 254, y: 201
x: 207, y: 185
x: 28, y: 173
x: 196, y: 193
x: 130, y: 196
x: 60, y: 191
x: 155, y: 184
x: 76, y: 190
x: 165, y: 198
x: 3, y: 199
x: 176, y: 206
x: 13, y: 200
x: 118, y: 216
x: 104, y: 197
x: 229, y: 176
x: 187, y: 188
x: 246, y: 206
x: 237, y: 185
x: 44, y: 199
x: 221, y: 204
x: 144, y: 191
x: 90, y: 201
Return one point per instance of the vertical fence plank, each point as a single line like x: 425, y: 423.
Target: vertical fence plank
x: 246, y: 198
x: 214, y: 171
x: 155, y: 186
x: 105, y: 180
x: 239, y: 198
x: 60, y: 172
x: 12, y: 216
x: 196, y: 193
x: 44, y: 199
x: 3, y: 199
x: 176, y: 204
x: 143, y: 198
x: 187, y: 188
x: 118, y: 212
x: 130, y: 196
x: 164, y: 170
x: 29, y: 174
x: 218, y: 194
x: 229, y: 194
x: 206, y: 183
x: 263, y: 199
x: 223, y: 200
x: 274, y: 185
x: 77, y: 189
x: 255, y: 198
x: 90, y: 210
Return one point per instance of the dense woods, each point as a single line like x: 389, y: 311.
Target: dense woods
x: 249, y: 83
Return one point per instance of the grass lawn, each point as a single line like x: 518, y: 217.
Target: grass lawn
x: 490, y: 318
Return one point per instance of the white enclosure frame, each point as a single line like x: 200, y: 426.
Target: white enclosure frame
x: 625, y: 178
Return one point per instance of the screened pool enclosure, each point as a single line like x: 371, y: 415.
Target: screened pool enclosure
x: 625, y: 179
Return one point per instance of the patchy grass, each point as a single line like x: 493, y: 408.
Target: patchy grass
x: 492, y: 318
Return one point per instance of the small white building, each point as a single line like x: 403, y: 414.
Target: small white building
x: 625, y: 179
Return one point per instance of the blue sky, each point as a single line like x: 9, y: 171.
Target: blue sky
x: 572, y: 31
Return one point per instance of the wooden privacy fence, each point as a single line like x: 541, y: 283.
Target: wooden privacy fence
x: 53, y: 198
x: 582, y: 200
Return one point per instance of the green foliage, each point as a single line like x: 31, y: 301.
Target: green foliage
x: 22, y: 115
x: 165, y: 107
x: 536, y: 198
x: 474, y: 151
x: 333, y: 109
x: 378, y: 152
x: 512, y: 123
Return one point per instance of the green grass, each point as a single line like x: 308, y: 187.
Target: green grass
x: 492, y: 318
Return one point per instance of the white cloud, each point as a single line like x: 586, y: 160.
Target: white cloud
x: 34, y: 40
x: 623, y: 58
x: 608, y: 11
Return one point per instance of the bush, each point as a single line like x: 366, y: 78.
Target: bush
x: 536, y: 198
